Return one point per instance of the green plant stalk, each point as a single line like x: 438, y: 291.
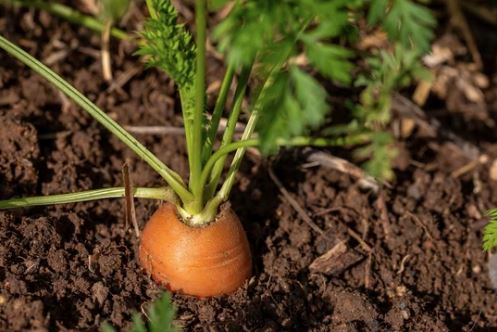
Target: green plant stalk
x: 171, y: 177
x: 223, y: 151
x: 196, y: 152
x: 211, y: 207
x: 322, y: 141
x: 229, y: 131
x: 70, y: 15
x: 221, y: 154
x: 163, y: 193
x: 187, y: 100
x: 218, y: 111
x: 223, y: 194
x: 237, y: 159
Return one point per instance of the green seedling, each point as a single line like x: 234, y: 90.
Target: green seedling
x: 160, y: 318
x: 388, y: 72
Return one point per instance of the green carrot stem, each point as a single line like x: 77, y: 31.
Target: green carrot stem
x: 212, y: 205
x: 163, y: 193
x: 221, y: 155
x: 237, y: 159
x: 242, y: 145
x: 223, y: 194
x: 171, y: 177
x: 218, y: 111
x: 196, y: 152
x: 230, y: 130
x: 187, y: 100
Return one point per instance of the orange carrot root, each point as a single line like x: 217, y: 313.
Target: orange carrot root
x: 203, y: 261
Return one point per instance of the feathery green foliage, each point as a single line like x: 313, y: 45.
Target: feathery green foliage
x: 284, y: 23
x: 319, y: 31
x: 404, y: 21
x: 168, y: 45
x: 161, y: 315
x: 490, y: 231
x: 378, y: 153
x: 388, y: 72
x: 295, y: 102
x: 409, y: 27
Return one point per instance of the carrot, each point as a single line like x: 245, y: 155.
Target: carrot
x: 208, y: 260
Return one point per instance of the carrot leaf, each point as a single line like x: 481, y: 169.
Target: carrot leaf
x: 274, y: 22
x: 294, y: 102
x: 379, y: 153
x: 490, y: 231
x: 168, y: 45
x: 330, y: 60
x: 160, y: 314
x: 404, y: 21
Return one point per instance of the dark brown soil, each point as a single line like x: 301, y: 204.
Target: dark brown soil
x: 410, y: 259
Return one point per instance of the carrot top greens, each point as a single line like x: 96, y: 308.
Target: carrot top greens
x: 280, y: 52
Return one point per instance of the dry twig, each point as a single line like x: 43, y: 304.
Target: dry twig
x: 124, y: 78
x: 459, y: 21
x: 385, y: 221
x: 351, y: 232
x: 106, y: 60
x: 129, y: 201
x: 420, y: 223
x: 367, y: 271
x: 329, y: 161
x: 305, y: 217
x: 171, y: 130
x: 403, y: 263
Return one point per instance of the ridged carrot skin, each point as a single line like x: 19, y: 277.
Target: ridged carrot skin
x: 206, y: 261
